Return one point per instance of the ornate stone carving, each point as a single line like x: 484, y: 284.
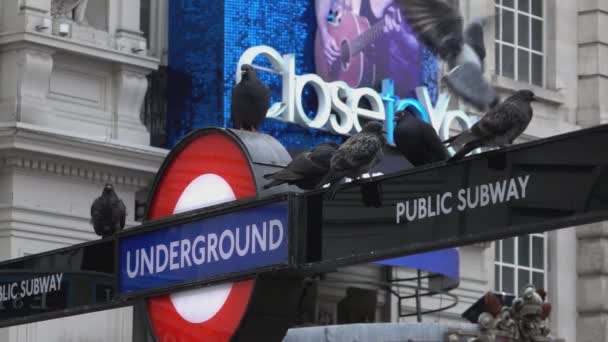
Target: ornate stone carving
x: 70, y: 9
x: 131, y: 87
x: 523, y: 321
x: 67, y: 169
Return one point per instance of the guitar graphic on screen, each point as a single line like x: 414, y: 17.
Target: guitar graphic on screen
x: 352, y: 34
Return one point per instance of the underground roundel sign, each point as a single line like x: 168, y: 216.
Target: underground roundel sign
x: 208, y: 167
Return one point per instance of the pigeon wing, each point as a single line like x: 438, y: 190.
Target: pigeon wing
x: 250, y: 103
x: 303, y: 166
x: 261, y: 102
x: 321, y: 155
x: 97, y: 215
x: 358, y: 151
x: 468, y: 83
x: 438, y: 25
x: 436, y: 150
x: 238, y: 105
x: 498, y: 121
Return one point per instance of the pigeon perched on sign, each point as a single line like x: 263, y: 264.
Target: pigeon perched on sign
x: 356, y: 156
x: 417, y: 140
x: 250, y: 101
x: 307, y: 169
x: 108, y: 213
x: 499, y: 127
x: 440, y: 27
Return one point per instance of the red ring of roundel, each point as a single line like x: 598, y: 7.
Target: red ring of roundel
x: 211, y: 152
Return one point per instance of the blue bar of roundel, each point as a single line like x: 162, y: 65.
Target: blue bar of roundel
x: 446, y: 262
x: 213, y: 225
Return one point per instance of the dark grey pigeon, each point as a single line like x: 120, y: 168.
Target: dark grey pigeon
x: 417, y: 140
x: 440, y: 27
x: 250, y: 101
x: 499, y: 127
x: 307, y: 169
x: 108, y: 213
x: 356, y: 156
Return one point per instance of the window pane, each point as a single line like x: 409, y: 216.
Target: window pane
x: 508, y: 65
x: 508, y: 27
x: 497, y: 250
x: 497, y: 59
x: 538, y: 279
x: 523, y: 30
x: 497, y: 278
x: 523, y: 279
x: 508, y: 248
x: 497, y: 24
x: 144, y: 18
x: 523, y: 248
x: 537, y: 7
x: 523, y: 73
x: 538, y: 253
x: 537, y: 35
x: 537, y: 69
x: 508, y: 280
x: 508, y: 3
x: 524, y: 5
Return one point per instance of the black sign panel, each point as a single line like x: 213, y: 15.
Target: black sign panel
x: 67, y: 280
x: 524, y: 189
x: 539, y: 186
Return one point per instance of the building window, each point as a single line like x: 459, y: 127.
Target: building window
x: 520, y: 261
x: 145, y: 18
x: 519, y: 37
x: 153, y: 21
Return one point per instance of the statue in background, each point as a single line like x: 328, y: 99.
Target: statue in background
x: 523, y: 321
x: 70, y: 9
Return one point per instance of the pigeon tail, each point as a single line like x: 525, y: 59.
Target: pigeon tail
x: 461, y: 139
x: 331, y: 192
x: 467, y: 148
x: 466, y: 81
x: 273, y: 184
x: 333, y: 181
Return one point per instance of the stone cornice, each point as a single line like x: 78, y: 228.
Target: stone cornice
x: 79, y: 47
x: 99, y: 150
x: 70, y: 168
x: 25, y: 146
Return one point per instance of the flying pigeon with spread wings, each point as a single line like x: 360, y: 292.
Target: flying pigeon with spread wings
x: 440, y: 26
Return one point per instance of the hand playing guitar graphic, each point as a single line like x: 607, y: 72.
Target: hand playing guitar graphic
x: 392, y: 20
x: 351, y: 35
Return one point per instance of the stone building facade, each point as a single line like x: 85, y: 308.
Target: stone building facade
x: 72, y: 82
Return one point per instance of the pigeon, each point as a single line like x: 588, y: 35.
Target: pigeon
x: 356, y: 156
x: 108, y: 212
x: 250, y: 101
x: 499, y: 127
x: 417, y: 140
x: 307, y: 169
x: 440, y: 27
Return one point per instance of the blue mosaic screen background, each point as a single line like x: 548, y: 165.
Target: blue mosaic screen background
x: 206, y: 40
